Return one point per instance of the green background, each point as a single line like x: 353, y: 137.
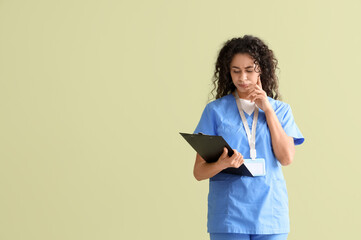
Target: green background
x: 94, y: 93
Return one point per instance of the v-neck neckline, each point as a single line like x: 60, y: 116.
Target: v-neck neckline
x: 235, y: 103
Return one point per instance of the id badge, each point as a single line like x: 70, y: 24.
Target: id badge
x: 257, y: 167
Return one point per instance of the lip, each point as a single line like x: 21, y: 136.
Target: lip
x: 243, y: 85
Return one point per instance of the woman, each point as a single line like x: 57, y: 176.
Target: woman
x: 258, y: 126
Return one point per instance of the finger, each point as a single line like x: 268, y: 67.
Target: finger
x: 251, y: 94
x: 256, y: 97
x: 225, y: 151
x: 234, y: 156
x: 255, y: 91
x: 239, y: 156
x: 259, y: 87
x: 251, y: 87
x: 240, y: 162
x: 251, y: 91
x: 259, y: 83
x: 253, y: 97
x: 234, y: 163
x: 254, y: 94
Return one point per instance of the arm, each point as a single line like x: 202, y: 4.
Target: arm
x: 283, y: 145
x: 204, y: 170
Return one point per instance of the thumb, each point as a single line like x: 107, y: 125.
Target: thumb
x: 225, y: 152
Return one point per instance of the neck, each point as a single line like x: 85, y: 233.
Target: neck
x: 243, y: 95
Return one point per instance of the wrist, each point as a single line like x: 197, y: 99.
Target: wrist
x: 220, y: 165
x: 269, y: 109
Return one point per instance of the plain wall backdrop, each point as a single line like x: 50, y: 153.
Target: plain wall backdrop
x: 93, y: 95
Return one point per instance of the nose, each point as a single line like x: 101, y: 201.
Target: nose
x: 243, y: 76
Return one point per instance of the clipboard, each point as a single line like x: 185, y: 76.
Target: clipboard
x: 210, y: 148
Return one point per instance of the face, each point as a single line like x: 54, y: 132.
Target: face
x: 243, y: 72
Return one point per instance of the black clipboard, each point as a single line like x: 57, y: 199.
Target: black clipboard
x: 210, y: 148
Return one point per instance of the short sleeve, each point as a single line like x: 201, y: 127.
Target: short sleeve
x: 206, y: 124
x: 289, y: 125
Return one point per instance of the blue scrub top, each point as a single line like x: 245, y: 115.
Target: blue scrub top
x: 241, y: 204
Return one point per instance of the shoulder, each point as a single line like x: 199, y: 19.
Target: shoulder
x: 278, y: 105
x: 283, y: 110
x: 220, y: 103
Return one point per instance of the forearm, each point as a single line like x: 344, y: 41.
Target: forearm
x: 207, y: 170
x: 282, y: 144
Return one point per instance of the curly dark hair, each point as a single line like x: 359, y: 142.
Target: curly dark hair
x: 263, y: 57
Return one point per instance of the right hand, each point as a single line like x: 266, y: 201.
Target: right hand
x: 236, y: 160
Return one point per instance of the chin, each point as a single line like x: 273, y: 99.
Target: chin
x: 241, y: 89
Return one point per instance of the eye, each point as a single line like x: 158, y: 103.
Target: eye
x: 250, y: 71
x: 236, y: 71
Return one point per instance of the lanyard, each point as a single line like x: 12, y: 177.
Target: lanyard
x: 251, y: 137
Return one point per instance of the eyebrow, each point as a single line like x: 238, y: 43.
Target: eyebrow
x: 245, y: 67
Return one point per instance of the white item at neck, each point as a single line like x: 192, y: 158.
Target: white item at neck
x: 247, y: 105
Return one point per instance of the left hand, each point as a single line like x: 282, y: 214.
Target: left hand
x: 258, y: 95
